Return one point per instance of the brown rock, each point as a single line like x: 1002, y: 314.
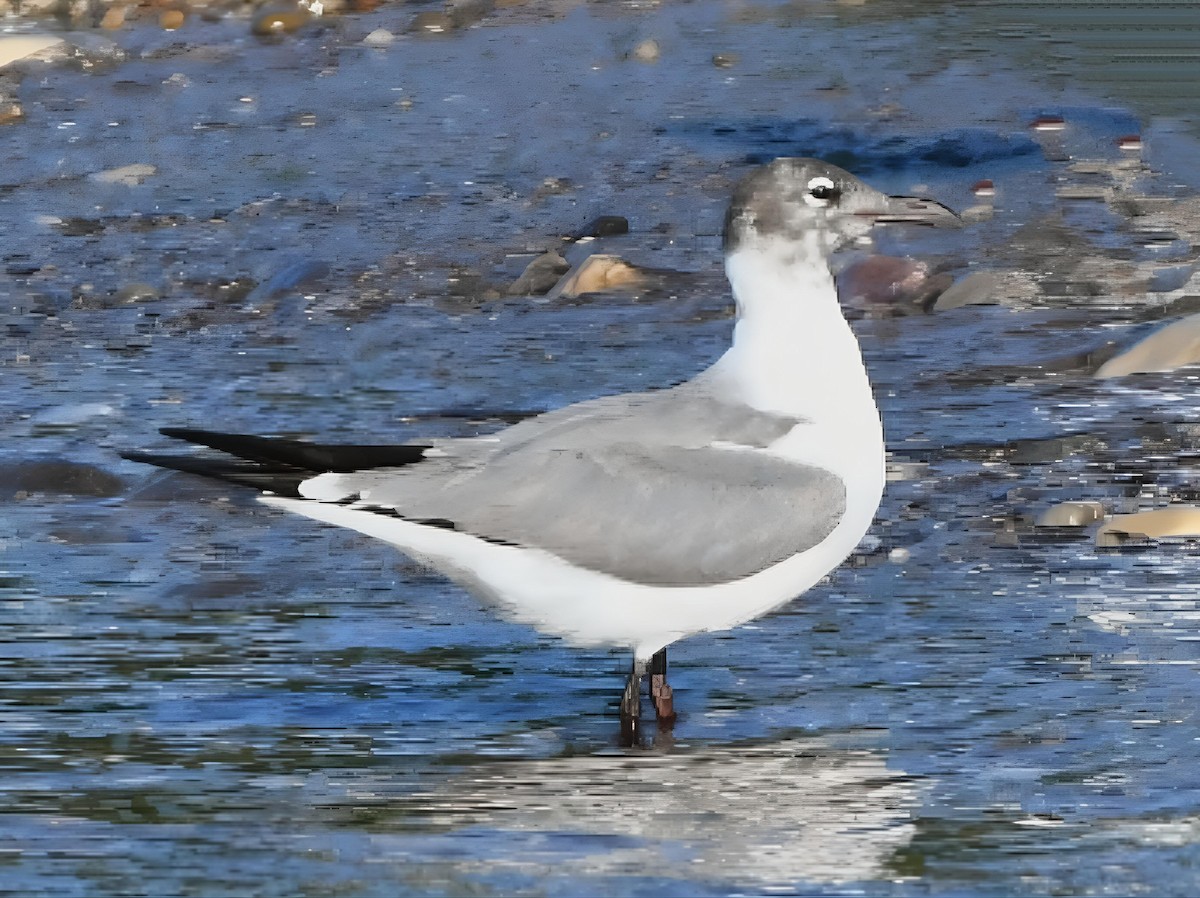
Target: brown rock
x: 280, y: 20
x: 878, y: 280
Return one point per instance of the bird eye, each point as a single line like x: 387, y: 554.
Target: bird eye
x: 821, y: 192
x: 822, y: 189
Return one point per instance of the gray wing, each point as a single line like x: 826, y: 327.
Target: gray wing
x: 629, y: 485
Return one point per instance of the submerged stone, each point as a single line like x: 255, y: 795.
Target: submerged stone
x: 280, y: 20
x: 540, y: 275
x: 1170, y: 347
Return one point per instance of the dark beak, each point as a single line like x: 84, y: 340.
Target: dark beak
x: 911, y: 210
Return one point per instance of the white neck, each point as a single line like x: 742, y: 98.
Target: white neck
x: 793, y: 352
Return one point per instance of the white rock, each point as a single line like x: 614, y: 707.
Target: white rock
x: 380, y: 37
x: 129, y: 175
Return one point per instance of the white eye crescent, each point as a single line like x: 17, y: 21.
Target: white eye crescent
x: 821, y: 191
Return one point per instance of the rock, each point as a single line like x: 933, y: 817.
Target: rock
x: 21, y: 46
x: 296, y: 272
x: 431, y: 22
x: 279, y: 20
x: 18, y: 479
x: 540, y: 275
x: 137, y: 292
x: 887, y: 279
x: 598, y: 274
x: 1071, y: 514
x: 987, y: 288
x: 1168, y: 348
x: 128, y: 175
x: 725, y: 60
x: 1178, y: 520
x: 380, y: 37
x: 603, y: 226
x: 113, y: 18
x: 171, y: 19
x: 71, y: 415
x: 647, y: 51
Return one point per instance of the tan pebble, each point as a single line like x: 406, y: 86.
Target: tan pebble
x: 1071, y: 514
x: 598, y: 273
x: 431, y: 23
x: 1178, y: 520
x: 10, y: 113
x: 647, y: 51
x: 19, y: 46
x: 114, y: 18
x: 280, y: 20
x: 1168, y: 348
x: 171, y: 19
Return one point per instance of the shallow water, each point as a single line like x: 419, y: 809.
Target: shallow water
x: 203, y: 696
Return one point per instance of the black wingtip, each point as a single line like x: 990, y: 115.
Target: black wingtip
x: 317, y: 458
x: 282, y: 480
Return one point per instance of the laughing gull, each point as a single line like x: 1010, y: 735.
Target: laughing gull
x: 639, y: 519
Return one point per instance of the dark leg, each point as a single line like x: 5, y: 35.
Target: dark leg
x: 660, y: 690
x: 631, y: 704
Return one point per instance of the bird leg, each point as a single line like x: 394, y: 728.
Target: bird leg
x: 631, y: 704
x: 660, y: 691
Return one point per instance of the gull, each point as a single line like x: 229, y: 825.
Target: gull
x: 638, y: 519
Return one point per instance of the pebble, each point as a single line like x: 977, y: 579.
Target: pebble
x: 431, y: 22
x: 988, y: 287
x: 21, y: 46
x: 113, y: 18
x: 647, y: 51
x: 128, y: 175
x: 20, y: 479
x: 280, y: 20
x: 878, y: 280
x: 597, y: 274
x: 171, y: 19
x: 1178, y: 520
x: 380, y: 37
x: 540, y: 275
x: 603, y: 226
x: 137, y: 292
x: 725, y: 60
x: 1071, y: 514
x: 1168, y: 348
